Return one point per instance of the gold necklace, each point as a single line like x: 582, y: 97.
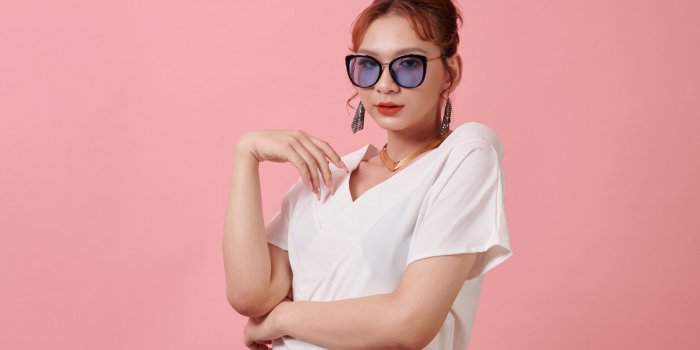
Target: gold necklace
x: 393, y: 165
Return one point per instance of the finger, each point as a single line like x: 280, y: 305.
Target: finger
x: 253, y: 345
x: 249, y: 343
x: 305, y: 163
x: 320, y: 157
x: 329, y: 151
x: 301, y: 166
x: 310, y: 162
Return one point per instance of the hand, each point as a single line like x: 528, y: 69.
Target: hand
x: 260, y: 331
x: 306, y: 152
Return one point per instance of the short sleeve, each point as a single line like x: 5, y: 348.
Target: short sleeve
x: 464, y: 211
x: 277, y: 229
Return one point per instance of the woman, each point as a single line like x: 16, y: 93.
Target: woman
x: 390, y: 252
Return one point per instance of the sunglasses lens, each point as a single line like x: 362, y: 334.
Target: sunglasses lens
x: 408, y: 71
x: 364, y: 71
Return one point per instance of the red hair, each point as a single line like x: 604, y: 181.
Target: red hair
x: 435, y: 21
x: 432, y: 20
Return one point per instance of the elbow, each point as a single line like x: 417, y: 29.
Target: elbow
x: 413, y: 334
x: 413, y: 342
x: 247, y: 304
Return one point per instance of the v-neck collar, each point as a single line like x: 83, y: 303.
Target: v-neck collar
x: 370, y: 151
x: 380, y: 195
x: 341, y: 179
x: 387, y: 189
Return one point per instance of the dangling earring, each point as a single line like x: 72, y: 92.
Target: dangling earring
x: 359, y: 121
x: 446, y: 118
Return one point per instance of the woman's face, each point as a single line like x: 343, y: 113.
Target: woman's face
x: 387, y: 38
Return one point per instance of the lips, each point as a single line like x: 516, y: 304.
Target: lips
x: 388, y: 108
x: 387, y: 104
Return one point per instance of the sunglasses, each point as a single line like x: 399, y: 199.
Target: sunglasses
x: 408, y: 71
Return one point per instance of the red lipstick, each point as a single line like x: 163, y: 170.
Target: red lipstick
x: 388, y: 108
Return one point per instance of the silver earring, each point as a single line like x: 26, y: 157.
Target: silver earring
x: 359, y: 121
x: 446, y: 118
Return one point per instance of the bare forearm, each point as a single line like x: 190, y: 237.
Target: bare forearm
x: 372, y: 322
x: 246, y: 257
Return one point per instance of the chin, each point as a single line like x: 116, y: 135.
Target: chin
x: 393, y: 124
x: 385, y: 121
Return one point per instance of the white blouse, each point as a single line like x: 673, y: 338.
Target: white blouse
x: 447, y: 201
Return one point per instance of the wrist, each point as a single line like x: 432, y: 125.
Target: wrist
x: 280, y: 320
x: 244, y: 152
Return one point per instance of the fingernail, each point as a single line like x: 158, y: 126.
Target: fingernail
x: 343, y: 164
x: 318, y: 193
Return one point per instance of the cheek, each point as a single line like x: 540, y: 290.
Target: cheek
x: 429, y: 92
x: 435, y: 81
x: 364, y: 96
x: 422, y: 102
x: 422, y: 99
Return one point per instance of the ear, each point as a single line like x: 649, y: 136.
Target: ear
x: 454, y: 64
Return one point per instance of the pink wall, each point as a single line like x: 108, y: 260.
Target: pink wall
x: 119, y: 120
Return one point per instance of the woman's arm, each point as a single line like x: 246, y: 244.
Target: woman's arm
x: 258, y: 275
x: 408, y: 318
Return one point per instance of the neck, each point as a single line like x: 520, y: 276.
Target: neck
x: 401, y: 143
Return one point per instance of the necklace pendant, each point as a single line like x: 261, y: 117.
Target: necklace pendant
x: 394, y: 165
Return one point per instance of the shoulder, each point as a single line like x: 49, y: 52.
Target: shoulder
x: 471, y: 159
x: 474, y: 135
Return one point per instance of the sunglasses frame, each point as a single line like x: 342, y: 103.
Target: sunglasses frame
x: 423, y: 59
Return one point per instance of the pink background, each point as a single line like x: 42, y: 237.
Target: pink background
x: 119, y: 120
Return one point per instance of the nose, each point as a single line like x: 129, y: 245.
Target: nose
x: 386, y: 83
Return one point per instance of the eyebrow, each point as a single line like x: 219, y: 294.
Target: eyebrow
x: 400, y: 52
